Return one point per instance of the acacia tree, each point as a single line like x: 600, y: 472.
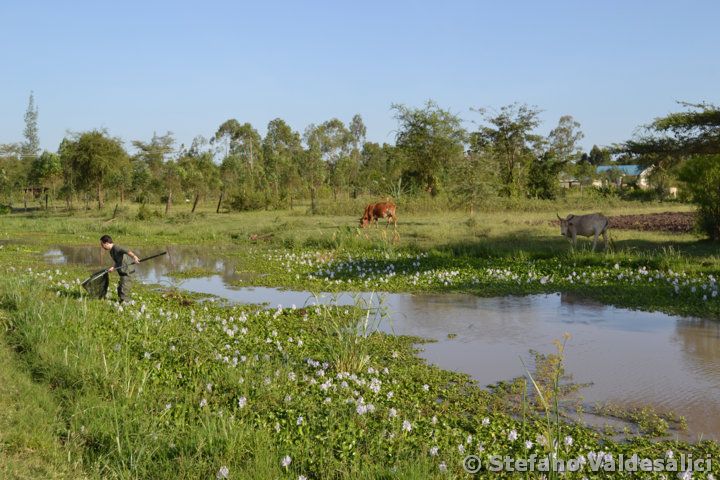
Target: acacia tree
x: 91, y: 160
x: 690, y: 139
x: 508, y: 139
x: 430, y: 139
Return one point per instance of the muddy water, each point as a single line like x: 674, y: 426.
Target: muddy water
x: 631, y: 358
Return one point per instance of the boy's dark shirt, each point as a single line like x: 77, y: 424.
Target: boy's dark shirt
x: 117, y: 253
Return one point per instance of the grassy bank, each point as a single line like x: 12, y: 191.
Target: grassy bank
x: 171, y: 388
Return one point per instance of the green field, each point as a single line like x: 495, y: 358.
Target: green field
x: 172, y: 388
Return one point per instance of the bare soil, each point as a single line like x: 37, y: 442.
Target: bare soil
x: 675, y: 222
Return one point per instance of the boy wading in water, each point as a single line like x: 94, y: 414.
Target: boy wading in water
x: 117, y: 254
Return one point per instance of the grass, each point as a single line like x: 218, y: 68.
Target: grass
x: 174, y: 387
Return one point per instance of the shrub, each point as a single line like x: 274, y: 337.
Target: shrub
x: 702, y: 174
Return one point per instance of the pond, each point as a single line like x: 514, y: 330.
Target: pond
x: 631, y: 358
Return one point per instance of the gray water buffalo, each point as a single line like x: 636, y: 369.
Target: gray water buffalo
x: 593, y: 224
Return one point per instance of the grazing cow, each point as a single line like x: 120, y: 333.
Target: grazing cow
x: 376, y: 211
x: 586, y: 225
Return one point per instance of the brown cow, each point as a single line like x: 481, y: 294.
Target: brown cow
x: 376, y: 211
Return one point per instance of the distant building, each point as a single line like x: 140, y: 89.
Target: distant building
x: 568, y: 181
x: 622, y: 175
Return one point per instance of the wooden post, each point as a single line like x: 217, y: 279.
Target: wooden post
x: 197, y: 197
x: 222, y: 192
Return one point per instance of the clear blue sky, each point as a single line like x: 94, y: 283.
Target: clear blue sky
x: 139, y: 67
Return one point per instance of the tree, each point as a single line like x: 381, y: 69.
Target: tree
x: 314, y: 169
x: 333, y: 141
x: 31, y: 146
x: 358, y: 131
x: 13, y: 170
x: 563, y: 140
x: 46, y: 171
x: 599, y: 156
x: 282, y: 150
x: 92, y: 160
x: 691, y: 137
x: 148, y: 164
x: 430, y: 139
x: 508, y: 139
x: 473, y: 179
x: 678, y: 135
x: 542, y: 179
x: 701, y: 174
x: 172, y: 181
x: 245, y: 142
x: 201, y: 175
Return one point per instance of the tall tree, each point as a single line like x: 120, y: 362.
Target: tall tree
x: 31, y: 145
x: 245, y: 143
x: 563, y: 140
x: 509, y: 139
x: 430, y: 139
x: 314, y: 171
x: 358, y: 131
x: 282, y: 152
x: 332, y: 139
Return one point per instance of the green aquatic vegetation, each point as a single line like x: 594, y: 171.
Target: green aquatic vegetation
x: 619, y: 280
x: 648, y: 419
x: 171, y: 387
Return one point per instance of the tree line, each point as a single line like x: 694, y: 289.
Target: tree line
x: 433, y: 154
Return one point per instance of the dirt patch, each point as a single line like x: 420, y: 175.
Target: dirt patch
x: 675, y: 222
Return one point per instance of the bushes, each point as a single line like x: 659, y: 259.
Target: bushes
x: 702, y: 174
x: 244, y: 202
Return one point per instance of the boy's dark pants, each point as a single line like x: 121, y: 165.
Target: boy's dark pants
x: 123, y: 288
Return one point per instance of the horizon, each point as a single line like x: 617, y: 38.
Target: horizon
x: 141, y: 69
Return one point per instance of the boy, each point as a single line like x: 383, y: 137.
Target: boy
x: 117, y: 253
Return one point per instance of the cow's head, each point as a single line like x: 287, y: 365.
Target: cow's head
x: 363, y: 222
x: 564, y: 225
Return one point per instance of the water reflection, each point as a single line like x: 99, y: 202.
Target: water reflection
x: 630, y: 357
